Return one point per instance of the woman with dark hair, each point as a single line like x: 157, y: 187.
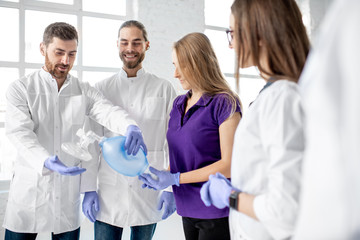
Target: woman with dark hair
x: 268, y: 148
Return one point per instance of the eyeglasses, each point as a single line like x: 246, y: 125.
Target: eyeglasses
x: 230, y: 35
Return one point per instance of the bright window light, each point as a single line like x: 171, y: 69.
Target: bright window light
x: 8, y: 75
x: 249, y: 89
x: 35, y: 24
x: 9, y: 41
x: 116, y: 7
x: 224, y: 54
x: 217, y: 13
x: 99, y: 42
x: 71, y: 2
x: 94, y: 77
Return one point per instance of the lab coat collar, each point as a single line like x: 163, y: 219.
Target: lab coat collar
x: 266, y: 85
x: 139, y: 74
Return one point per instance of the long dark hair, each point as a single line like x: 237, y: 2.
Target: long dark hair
x: 278, y: 24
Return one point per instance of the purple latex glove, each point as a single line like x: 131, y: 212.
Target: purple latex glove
x: 167, y: 201
x: 164, y: 179
x: 90, y: 205
x: 216, y: 191
x: 134, y: 140
x: 54, y: 164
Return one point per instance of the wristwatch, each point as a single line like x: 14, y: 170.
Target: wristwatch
x: 234, y: 199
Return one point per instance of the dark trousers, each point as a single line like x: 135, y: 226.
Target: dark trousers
x: 104, y: 231
x: 72, y: 235
x: 206, y: 229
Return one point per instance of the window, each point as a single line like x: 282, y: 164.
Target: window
x: 10, y: 41
x: 217, y: 17
x: 97, y: 57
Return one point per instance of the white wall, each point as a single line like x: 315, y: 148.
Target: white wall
x: 166, y: 22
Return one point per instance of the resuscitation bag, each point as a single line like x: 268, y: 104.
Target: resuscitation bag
x: 116, y: 156
x: 113, y: 152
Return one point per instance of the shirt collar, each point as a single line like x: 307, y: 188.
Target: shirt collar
x: 139, y: 74
x: 202, y: 102
x: 266, y: 86
x: 46, y: 75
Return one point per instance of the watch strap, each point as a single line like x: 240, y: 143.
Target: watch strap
x: 234, y: 199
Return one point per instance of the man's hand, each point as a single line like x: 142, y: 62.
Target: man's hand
x: 90, y: 205
x: 134, y: 140
x: 54, y: 164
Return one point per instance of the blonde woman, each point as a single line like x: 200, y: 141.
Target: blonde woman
x: 200, y: 136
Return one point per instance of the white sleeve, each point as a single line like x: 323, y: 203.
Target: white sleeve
x: 89, y: 177
x: 281, y: 130
x: 102, y: 111
x: 20, y: 129
x: 172, y: 95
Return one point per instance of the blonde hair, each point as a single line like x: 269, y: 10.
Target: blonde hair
x: 200, y: 67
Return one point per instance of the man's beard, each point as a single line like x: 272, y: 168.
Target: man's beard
x: 133, y: 64
x: 54, y: 71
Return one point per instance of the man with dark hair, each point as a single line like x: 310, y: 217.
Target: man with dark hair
x: 148, y: 99
x: 44, y: 109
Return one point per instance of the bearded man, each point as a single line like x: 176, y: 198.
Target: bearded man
x: 148, y: 99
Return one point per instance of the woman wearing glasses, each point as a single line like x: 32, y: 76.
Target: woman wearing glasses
x: 200, y: 136
x: 268, y: 148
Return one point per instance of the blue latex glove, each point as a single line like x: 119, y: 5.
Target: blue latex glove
x: 216, y: 191
x: 164, y: 179
x: 167, y: 201
x: 54, y: 164
x: 134, y: 140
x: 146, y: 186
x: 90, y: 205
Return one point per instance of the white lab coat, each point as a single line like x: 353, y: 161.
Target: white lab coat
x: 39, y: 119
x: 330, y: 85
x: 148, y: 99
x: 267, y: 155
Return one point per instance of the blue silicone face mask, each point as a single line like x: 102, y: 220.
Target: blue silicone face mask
x: 113, y: 152
x: 116, y: 156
